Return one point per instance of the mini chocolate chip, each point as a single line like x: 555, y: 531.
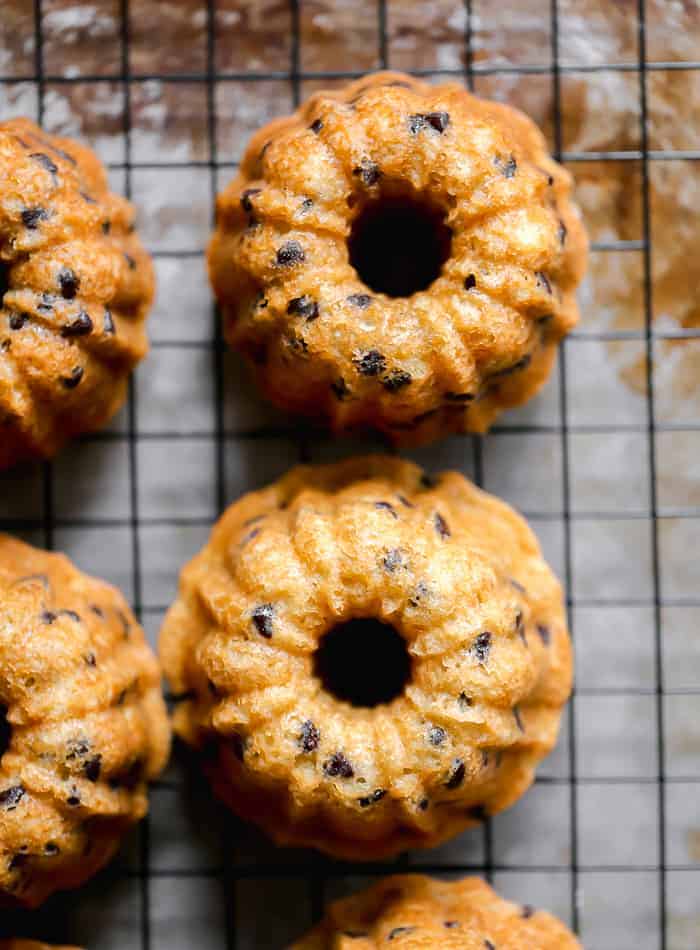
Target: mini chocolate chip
x: 397, y: 931
x: 423, y: 804
x: 441, y: 525
x: 419, y: 593
x: 121, y: 697
x: 436, y: 735
x: 47, y: 616
x: 46, y: 304
x: 290, y: 253
x: 32, y: 216
x: 385, y: 506
x: 238, y: 745
x: 74, y: 798
x: 18, y: 320
x: 459, y: 397
x: 98, y: 611
x: 527, y: 911
x: 131, y: 263
x: 545, y: 633
x: 370, y: 363
x: 262, y: 617
x: 428, y: 120
x: 518, y: 719
x: 69, y: 282
x: 395, y: 380
x: 303, y: 307
x: 489, y: 946
x: 307, y: 204
x: 337, y: 766
x: 11, y: 797
x: 469, y: 282
x: 521, y: 364
x: 70, y: 382
x: 108, y: 323
x: 51, y: 849
x: 481, y: 647
x: 562, y: 232
x: 405, y: 502
x: 520, y: 626
x: 106, y: 227
x: 316, y: 126
x: 392, y: 560
x: 484, y: 758
x: 368, y: 172
x: 250, y: 536
x: 5, y: 346
x: 81, y: 326
x: 456, y: 775
x: 90, y: 659
x: 126, y: 625
x: 508, y: 168
x: 543, y: 281
x: 376, y: 796
x: 465, y: 701
x: 361, y: 301
x: 427, y: 481
x: 246, y: 195
x: 92, y: 768
x: 77, y: 749
x: 71, y: 614
x: 309, y: 737
x: 517, y: 585
x: 47, y: 164
x: 451, y: 924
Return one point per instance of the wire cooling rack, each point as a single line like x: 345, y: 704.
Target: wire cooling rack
x: 603, y: 463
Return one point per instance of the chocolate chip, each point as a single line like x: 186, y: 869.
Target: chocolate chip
x: 51, y: 849
x: 340, y: 388
x: 436, y: 735
x: 92, y: 768
x: 262, y: 617
x: 74, y: 798
x: 303, y: 307
x: 309, y: 737
x: 419, y: 593
x: 521, y: 364
x: 361, y: 301
x: 427, y: 481
x: 397, y: 931
x: 246, y: 195
x: 376, y: 796
x: 108, y: 323
x: 238, y: 745
x: 562, y: 232
x: 392, y: 560
x: 405, y: 502
x: 70, y: 382
x: 90, y: 659
x: 508, y: 168
x: 126, y: 624
x: 543, y: 281
x: 456, y: 775
x: 69, y: 282
x: 81, y: 326
x: 77, y: 749
x: 11, y: 797
x: 465, y: 701
x: 481, y: 647
x: 316, y: 126
x: 290, y: 253
x: 47, y: 164
x: 484, y: 758
x: 368, y: 172
x: 307, y: 204
x: 423, y: 804
x: 459, y: 397
x: 98, y: 611
x: 71, y: 614
x: 250, y: 536
x: 452, y: 924
x: 520, y: 626
x: 441, y: 525
x: 106, y: 227
x: 428, y: 120
x: 18, y: 320
x: 395, y: 380
x: 47, y: 616
x: 32, y: 216
x: 518, y: 719
x: 545, y: 634
x: 370, y: 363
x: 489, y: 946
x: 517, y: 585
x: 385, y: 506
x: 337, y: 766
x: 527, y: 911
x: 46, y: 304
x: 131, y: 263
x: 469, y: 282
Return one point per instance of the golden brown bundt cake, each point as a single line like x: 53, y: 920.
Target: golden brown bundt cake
x: 75, y: 288
x: 419, y: 913
x: 399, y: 256
x: 83, y: 726
x: 370, y: 660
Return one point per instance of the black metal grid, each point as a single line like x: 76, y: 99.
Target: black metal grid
x: 318, y: 871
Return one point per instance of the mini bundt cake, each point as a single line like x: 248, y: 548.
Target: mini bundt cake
x: 398, y: 256
x: 83, y: 725
x: 75, y: 287
x: 420, y: 913
x: 369, y: 660
x: 18, y: 944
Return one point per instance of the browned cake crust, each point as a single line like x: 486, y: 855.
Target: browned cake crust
x: 451, y: 355
x: 83, y: 725
x: 459, y: 577
x: 75, y: 288
x: 420, y: 913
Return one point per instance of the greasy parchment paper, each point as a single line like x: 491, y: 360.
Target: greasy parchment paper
x: 167, y: 93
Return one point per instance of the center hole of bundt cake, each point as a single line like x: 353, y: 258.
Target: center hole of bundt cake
x: 5, y: 732
x: 398, y: 244
x: 364, y: 662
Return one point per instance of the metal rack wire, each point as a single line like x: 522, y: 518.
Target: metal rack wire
x: 58, y: 921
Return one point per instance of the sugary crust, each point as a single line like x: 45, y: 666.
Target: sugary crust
x: 87, y: 723
x: 481, y: 338
x: 75, y: 288
x: 421, y: 913
x: 458, y: 573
